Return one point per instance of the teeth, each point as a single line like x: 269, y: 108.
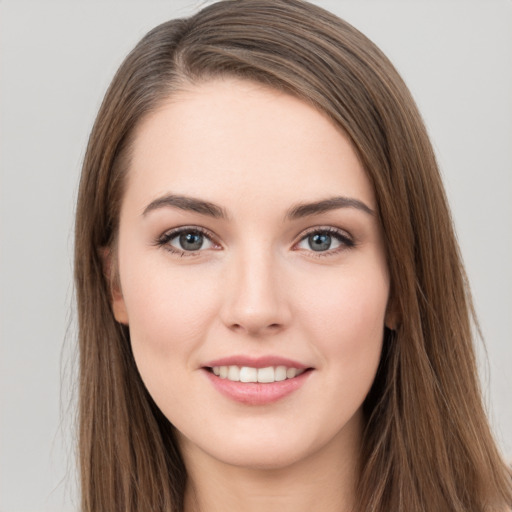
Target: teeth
x: 291, y: 372
x: 233, y: 373
x: 248, y: 374
x: 280, y: 373
x: 266, y: 374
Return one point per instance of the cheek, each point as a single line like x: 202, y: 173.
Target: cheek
x: 169, y: 316
x: 168, y: 309
x: 346, y: 321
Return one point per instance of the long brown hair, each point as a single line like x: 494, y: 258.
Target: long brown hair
x: 427, y: 445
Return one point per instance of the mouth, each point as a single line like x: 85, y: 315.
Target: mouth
x: 267, y: 375
x: 257, y: 381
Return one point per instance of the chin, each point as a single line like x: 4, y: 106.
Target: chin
x: 248, y: 449
x: 270, y: 449
x: 259, y: 459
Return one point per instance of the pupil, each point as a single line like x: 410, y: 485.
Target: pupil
x: 320, y: 242
x: 191, y: 241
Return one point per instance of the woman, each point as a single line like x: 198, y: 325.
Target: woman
x: 272, y: 307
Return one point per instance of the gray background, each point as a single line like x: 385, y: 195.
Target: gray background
x: 57, y: 59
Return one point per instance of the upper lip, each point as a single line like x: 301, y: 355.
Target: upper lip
x: 255, y: 362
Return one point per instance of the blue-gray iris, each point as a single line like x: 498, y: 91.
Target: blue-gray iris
x: 320, y: 242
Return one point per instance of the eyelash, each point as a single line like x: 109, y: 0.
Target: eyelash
x: 345, y: 240
x: 163, y: 240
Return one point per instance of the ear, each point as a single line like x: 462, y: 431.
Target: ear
x: 393, y: 315
x: 111, y: 273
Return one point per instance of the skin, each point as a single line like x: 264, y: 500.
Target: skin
x: 255, y: 288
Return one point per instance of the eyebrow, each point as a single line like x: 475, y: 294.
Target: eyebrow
x: 296, y: 212
x: 188, y: 204
x: 333, y: 203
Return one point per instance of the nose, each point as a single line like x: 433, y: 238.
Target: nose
x: 256, y: 302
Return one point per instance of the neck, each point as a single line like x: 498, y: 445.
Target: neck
x: 323, y: 481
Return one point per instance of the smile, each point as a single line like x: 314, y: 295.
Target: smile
x: 256, y: 381
x: 248, y: 374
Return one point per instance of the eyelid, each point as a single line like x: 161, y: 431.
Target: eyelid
x: 344, y: 237
x: 164, y: 239
x: 346, y: 240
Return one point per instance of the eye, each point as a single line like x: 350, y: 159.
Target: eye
x: 325, y: 240
x: 186, y: 241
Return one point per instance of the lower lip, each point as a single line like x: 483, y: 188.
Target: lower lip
x: 256, y: 393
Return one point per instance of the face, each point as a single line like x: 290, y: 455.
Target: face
x: 250, y: 250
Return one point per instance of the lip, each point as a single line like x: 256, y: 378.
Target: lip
x: 256, y: 362
x: 256, y: 393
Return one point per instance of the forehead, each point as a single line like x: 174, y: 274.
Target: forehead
x: 228, y: 139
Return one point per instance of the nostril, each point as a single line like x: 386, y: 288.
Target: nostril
x: 257, y: 329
